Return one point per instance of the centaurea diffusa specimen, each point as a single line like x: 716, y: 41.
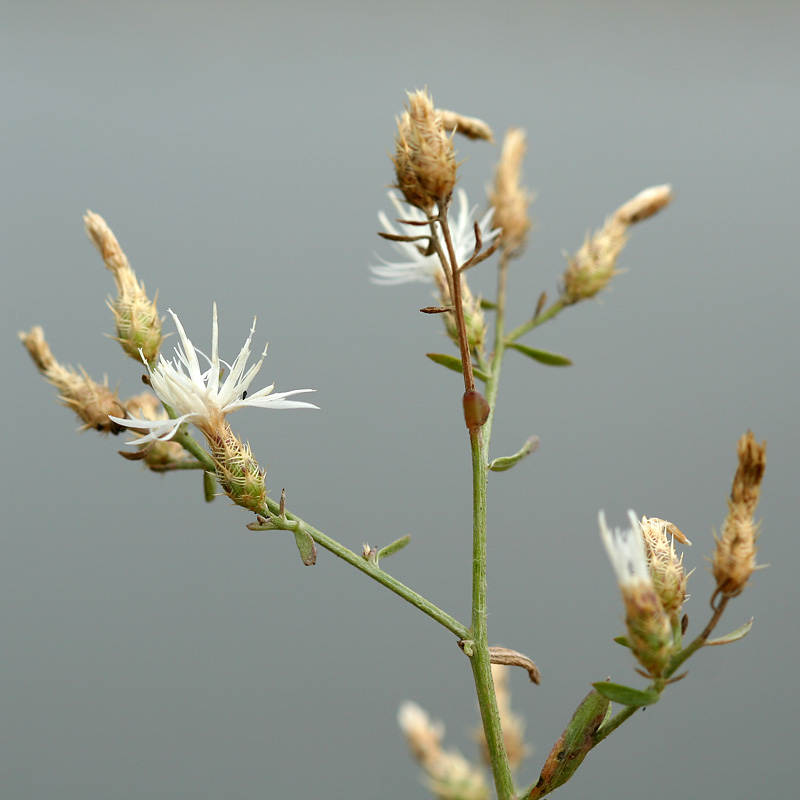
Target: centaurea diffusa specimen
x: 198, y: 396
x: 440, y: 248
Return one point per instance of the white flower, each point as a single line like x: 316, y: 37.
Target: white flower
x: 199, y: 397
x: 626, y: 549
x: 419, y: 267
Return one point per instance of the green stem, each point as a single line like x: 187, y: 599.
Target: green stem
x: 545, y: 316
x: 290, y: 522
x: 480, y: 660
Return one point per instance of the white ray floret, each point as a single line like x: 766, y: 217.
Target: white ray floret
x: 416, y: 266
x: 200, y: 396
x: 626, y: 550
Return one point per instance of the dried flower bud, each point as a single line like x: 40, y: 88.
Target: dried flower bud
x: 644, y: 205
x: 238, y: 472
x: 91, y: 401
x: 509, y: 199
x: 735, y: 556
x: 649, y: 628
x: 666, y: 568
x: 424, y: 160
x: 590, y: 270
x: 471, y: 127
x: 449, y: 775
x: 137, y: 321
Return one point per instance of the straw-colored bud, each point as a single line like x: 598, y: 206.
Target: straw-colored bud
x: 471, y: 127
x: 645, y: 204
x: 238, y: 472
x: 137, y: 321
x: 91, y: 401
x: 407, y: 179
x: 669, y: 577
x: 449, y: 775
x: 735, y: 555
x: 509, y: 198
x: 590, y: 270
x: 425, y: 160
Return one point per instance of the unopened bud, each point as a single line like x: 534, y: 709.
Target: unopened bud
x: 424, y: 160
x: 666, y: 569
x: 91, y: 401
x: 509, y: 199
x: 137, y: 321
x: 471, y: 127
x: 238, y: 472
x: 590, y: 270
x: 735, y: 556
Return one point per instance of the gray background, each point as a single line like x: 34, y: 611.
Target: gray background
x: 154, y: 648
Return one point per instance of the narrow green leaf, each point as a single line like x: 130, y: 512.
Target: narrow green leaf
x: 542, y: 356
x: 488, y: 305
x: 454, y: 363
x: 394, y: 547
x: 625, y: 695
x: 506, y: 462
x: 306, y: 546
x: 733, y: 636
x: 623, y: 640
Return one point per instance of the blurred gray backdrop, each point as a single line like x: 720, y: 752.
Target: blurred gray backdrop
x: 152, y: 647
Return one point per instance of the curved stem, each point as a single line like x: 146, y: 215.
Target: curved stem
x: 290, y: 522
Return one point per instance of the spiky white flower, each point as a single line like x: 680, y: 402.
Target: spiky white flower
x: 626, y: 550
x: 417, y: 266
x: 200, y: 397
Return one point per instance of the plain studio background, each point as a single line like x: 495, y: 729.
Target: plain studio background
x: 154, y: 648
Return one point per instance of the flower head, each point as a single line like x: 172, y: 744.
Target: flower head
x: 200, y: 396
x: 649, y: 630
x: 418, y: 264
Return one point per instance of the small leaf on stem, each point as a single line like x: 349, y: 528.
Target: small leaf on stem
x: 542, y: 356
x: 626, y: 695
x: 733, y: 636
x: 506, y: 462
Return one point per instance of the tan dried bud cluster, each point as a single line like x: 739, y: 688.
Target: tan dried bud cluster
x: 449, y: 775
x: 590, y: 270
x: 91, y: 401
x: 137, y: 321
x: 666, y: 568
x: 238, y: 472
x: 512, y: 724
x: 424, y: 160
x: 471, y: 127
x: 735, y: 556
x: 509, y: 199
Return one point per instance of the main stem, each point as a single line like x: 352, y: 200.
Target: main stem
x: 480, y: 659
